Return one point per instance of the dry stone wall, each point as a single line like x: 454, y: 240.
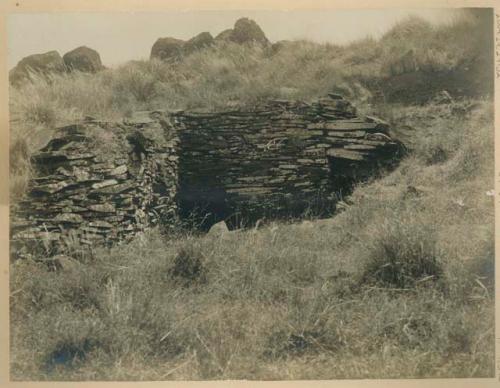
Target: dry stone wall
x: 279, y: 158
x: 99, y: 182
x: 102, y: 182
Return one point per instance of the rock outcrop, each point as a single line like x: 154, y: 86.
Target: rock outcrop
x: 248, y: 31
x: 104, y: 182
x: 224, y: 36
x: 83, y: 59
x: 200, y: 41
x: 171, y: 49
x: 40, y: 64
x: 245, y: 31
x: 167, y: 49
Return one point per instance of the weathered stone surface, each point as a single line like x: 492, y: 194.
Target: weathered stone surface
x: 98, y: 200
x: 83, y: 59
x: 346, y: 154
x: 102, y: 208
x: 51, y: 188
x: 224, y: 36
x: 245, y: 31
x: 106, y: 183
x: 119, y: 170
x: 198, y: 42
x: 276, y: 158
x: 68, y: 217
x: 41, y: 64
x: 248, y: 31
x: 167, y: 49
x: 218, y: 229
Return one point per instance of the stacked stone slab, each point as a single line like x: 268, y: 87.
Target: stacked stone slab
x: 279, y: 158
x: 99, y: 182
x: 103, y: 182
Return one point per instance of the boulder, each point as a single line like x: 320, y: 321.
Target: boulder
x: 167, y: 49
x: 245, y: 31
x: 218, y: 229
x: 83, y: 59
x: 42, y: 64
x: 200, y: 41
x: 248, y: 31
x: 224, y: 36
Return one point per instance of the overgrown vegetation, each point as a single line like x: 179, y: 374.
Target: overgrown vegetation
x: 227, y: 74
x: 399, y: 284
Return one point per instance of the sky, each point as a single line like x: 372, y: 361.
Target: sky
x: 120, y: 37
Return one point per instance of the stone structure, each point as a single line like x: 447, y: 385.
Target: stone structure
x: 106, y: 181
x: 99, y: 182
x: 277, y: 159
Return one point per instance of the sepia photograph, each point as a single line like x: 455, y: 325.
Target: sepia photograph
x: 302, y: 194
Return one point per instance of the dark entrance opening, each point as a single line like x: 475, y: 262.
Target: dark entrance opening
x: 344, y: 174
x: 201, y: 206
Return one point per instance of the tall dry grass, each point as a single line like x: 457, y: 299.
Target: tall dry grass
x: 228, y: 74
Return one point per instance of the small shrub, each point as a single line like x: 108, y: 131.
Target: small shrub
x: 436, y: 155
x: 188, y: 265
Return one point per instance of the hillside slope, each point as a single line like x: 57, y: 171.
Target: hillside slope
x: 391, y: 287
x: 408, y: 64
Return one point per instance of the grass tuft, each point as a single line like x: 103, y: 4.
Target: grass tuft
x: 402, y: 253
x: 189, y: 264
